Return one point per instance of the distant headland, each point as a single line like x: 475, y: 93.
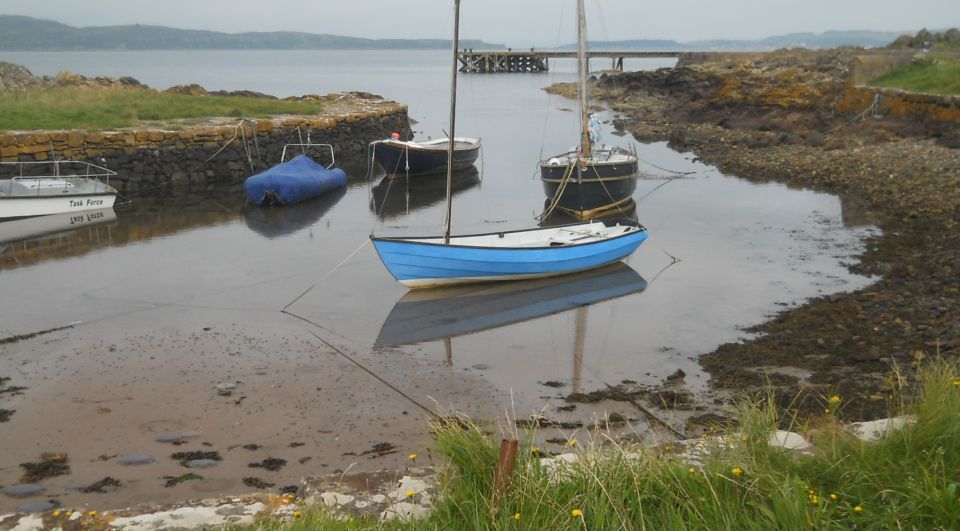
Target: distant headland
x: 19, y: 33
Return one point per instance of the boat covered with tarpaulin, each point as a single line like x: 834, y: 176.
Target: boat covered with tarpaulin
x: 293, y: 181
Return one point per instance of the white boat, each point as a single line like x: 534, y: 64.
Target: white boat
x: 42, y: 188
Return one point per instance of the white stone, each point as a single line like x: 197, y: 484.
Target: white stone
x: 789, y: 440
x: 404, y: 511
x: 31, y: 522
x: 187, y: 517
x: 333, y: 499
x: 408, y: 484
x: 378, y: 498
x: 877, y: 429
x: 361, y: 505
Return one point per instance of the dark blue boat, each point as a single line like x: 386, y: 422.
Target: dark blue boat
x: 423, y: 158
x: 293, y: 181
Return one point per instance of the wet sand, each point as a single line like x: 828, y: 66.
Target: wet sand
x: 103, y: 390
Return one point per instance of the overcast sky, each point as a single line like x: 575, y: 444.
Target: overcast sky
x: 510, y: 22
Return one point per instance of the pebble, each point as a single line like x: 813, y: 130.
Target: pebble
x: 135, y: 459
x: 226, y: 389
x: 23, y: 490
x: 168, y: 438
x: 201, y: 463
x: 38, y: 507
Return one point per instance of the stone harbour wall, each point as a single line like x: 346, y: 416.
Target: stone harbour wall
x: 220, y: 151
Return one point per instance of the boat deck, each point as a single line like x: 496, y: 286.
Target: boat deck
x: 548, y: 237
x: 52, y: 186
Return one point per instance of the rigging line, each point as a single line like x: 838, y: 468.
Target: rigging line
x: 327, y: 274
x: 659, y: 186
x: 359, y: 365
x: 665, y: 169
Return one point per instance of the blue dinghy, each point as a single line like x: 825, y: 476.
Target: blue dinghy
x: 546, y: 252
x: 293, y: 181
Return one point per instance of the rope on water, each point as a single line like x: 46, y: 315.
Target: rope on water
x: 361, y: 366
x: 327, y: 274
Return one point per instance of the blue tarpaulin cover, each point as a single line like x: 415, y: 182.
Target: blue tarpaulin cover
x: 298, y: 179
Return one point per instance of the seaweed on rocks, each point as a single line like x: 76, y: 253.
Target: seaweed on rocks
x: 257, y: 483
x: 102, y: 485
x: 186, y: 457
x: 173, y: 481
x: 271, y: 463
x: 50, y: 465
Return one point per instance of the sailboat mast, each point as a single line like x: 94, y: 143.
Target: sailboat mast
x: 453, y: 120
x: 583, y: 68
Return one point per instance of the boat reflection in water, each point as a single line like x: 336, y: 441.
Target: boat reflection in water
x: 442, y: 313
x: 41, y: 234
x: 398, y: 195
x: 274, y: 222
x: 626, y: 211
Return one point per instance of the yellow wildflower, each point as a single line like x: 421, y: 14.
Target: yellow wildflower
x: 410, y: 493
x: 833, y: 497
x: 834, y: 400
x: 297, y: 514
x: 56, y: 514
x: 576, y: 513
x: 736, y: 471
x: 692, y: 470
x: 814, y: 499
x: 572, y: 442
x: 827, y: 411
x: 92, y: 513
x: 535, y: 451
x: 516, y: 517
x: 858, y: 509
x: 956, y: 383
x: 412, y: 457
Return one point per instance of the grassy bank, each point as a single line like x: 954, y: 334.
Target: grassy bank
x: 935, y: 73
x: 99, y: 109
x: 908, y: 480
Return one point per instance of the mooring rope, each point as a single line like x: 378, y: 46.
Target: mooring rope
x: 362, y: 367
x: 237, y: 132
x: 874, y: 107
x: 327, y: 274
x: 555, y: 200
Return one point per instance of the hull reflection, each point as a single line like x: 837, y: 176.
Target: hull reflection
x: 274, y: 222
x: 399, y: 195
x: 426, y: 315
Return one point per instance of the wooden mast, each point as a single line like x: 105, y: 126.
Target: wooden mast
x: 583, y: 68
x: 453, y: 120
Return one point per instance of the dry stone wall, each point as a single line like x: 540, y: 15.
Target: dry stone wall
x: 149, y: 159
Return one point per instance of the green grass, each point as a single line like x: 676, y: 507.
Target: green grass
x: 935, y: 74
x: 908, y: 480
x: 100, y: 109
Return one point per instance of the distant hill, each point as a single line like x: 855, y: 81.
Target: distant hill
x: 827, y: 39
x: 19, y: 33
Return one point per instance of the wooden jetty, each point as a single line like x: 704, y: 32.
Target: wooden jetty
x: 509, y: 60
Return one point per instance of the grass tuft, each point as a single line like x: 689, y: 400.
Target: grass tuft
x: 934, y: 73
x: 101, y: 109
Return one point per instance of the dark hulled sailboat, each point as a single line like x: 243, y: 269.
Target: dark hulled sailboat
x: 590, y: 179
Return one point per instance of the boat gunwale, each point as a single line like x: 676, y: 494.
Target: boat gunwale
x: 475, y: 143
x: 54, y: 196
x: 411, y: 239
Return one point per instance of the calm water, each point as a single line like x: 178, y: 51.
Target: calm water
x: 746, y: 250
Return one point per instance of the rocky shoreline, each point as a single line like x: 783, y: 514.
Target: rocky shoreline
x: 788, y: 117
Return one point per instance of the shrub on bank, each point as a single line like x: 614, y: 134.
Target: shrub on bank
x: 908, y: 479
